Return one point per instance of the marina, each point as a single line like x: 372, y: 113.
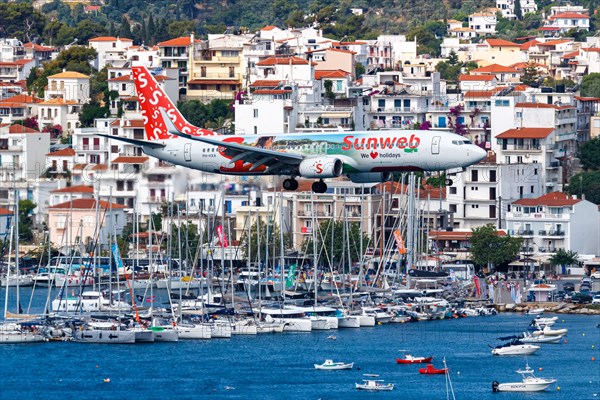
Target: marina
x: 274, y: 366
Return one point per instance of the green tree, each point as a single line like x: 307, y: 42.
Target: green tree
x: 90, y: 111
x: 586, y: 184
x: 26, y: 208
x: 20, y: 20
x: 564, y: 258
x: 453, y: 58
x: 590, y: 85
x: 269, y: 236
x: 328, y: 84
x: 518, y: 11
x: 531, y: 74
x: 296, y: 19
x: 488, y: 248
x: 359, y: 69
x: 180, y: 28
x: 589, y: 154
x: 125, y: 28
x: 333, y: 241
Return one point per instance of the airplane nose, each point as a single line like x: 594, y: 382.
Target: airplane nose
x: 478, y: 154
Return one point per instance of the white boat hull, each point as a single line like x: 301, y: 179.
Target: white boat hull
x: 525, y: 386
x: 366, y: 320
x: 103, y: 336
x: 20, y: 337
x: 166, y: 335
x: 518, y: 350
x: 197, y: 331
x: 349, y: 322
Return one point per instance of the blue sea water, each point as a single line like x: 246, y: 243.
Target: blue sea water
x: 280, y: 366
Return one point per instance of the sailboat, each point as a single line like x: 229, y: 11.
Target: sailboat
x: 16, y: 332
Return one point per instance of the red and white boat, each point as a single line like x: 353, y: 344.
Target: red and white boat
x: 430, y: 370
x: 408, y: 359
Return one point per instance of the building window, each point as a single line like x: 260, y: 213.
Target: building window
x: 474, y: 175
x: 452, y: 190
x: 232, y: 72
x: 255, y: 113
x: 452, y: 208
x: 203, y: 71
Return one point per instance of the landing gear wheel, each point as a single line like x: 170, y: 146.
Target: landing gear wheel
x: 448, y: 182
x: 290, y: 184
x: 319, y: 187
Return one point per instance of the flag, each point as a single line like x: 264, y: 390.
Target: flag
x: 477, y: 287
x: 399, y: 241
x: 117, y: 257
x: 290, y: 276
x: 221, y: 236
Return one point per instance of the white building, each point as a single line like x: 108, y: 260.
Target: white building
x: 111, y: 51
x: 484, y: 23
x: 507, y: 7
x: 480, y: 194
x: 556, y: 221
x: 562, y: 22
x: 22, y: 152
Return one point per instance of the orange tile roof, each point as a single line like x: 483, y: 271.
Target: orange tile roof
x: 525, y: 133
x: 494, y: 69
x: 593, y: 49
x: 482, y: 93
x: 129, y: 123
x: 271, y: 91
x: 62, y: 153
x: 85, y: 204
x: 6, y: 211
x: 269, y: 28
x: 555, y: 42
x: 58, y: 101
x: 331, y: 74
x: 265, y: 83
x: 75, y: 189
x: 79, y: 166
x: 542, y: 105
x: 569, y: 15
x: 232, y: 81
x: 501, y: 43
x: 6, y: 104
x: 476, y: 77
x: 16, y: 128
x: 529, y: 44
x: 425, y: 191
x: 571, y: 55
x: 108, y: 39
x: 130, y: 160
x: 69, y: 75
x: 178, y: 42
x: 595, y: 99
x: 24, y: 61
x: 22, y: 98
x: 523, y: 64
x: 37, y: 47
x: 554, y: 199
x: 456, y: 235
x: 283, y: 61
x: 100, y: 167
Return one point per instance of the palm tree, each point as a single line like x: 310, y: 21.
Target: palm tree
x: 564, y: 258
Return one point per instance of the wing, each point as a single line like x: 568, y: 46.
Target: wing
x: 272, y: 159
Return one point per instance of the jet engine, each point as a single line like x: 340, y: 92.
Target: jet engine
x: 370, y: 177
x: 321, y: 167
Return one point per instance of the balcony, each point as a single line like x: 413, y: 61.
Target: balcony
x: 525, y: 232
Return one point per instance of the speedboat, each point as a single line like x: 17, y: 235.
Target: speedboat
x: 374, y: 384
x: 547, y: 331
x: 408, y: 359
x: 533, y: 338
x: 515, y: 347
x: 331, y: 365
x: 529, y: 383
x: 430, y: 370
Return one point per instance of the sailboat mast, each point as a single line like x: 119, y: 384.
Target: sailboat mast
x: 314, y: 243
x: 281, y: 257
x: 16, y: 249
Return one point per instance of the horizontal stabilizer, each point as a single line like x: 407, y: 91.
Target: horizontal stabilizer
x: 136, y: 142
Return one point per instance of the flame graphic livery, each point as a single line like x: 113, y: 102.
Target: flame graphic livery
x: 151, y: 98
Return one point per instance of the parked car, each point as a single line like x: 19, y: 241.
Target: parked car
x: 585, y: 279
x: 581, y: 297
x: 595, y: 275
x: 568, y: 286
x: 596, y: 299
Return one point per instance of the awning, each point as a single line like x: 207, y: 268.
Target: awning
x: 581, y: 69
x: 336, y: 115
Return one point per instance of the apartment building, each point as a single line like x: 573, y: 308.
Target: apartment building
x: 22, y: 152
x: 178, y: 53
x: 556, y: 221
x: 112, y: 51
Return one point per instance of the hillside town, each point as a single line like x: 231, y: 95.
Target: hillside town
x: 286, y: 80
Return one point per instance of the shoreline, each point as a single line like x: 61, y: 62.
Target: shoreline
x: 551, y: 307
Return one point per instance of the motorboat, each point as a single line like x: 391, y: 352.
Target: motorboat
x: 543, y: 322
x: 514, y: 347
x: 374, y: 384
x: 431, y: 370
x: 547, y: 331
x: 529, y: 383
x: 104, y: 332
x: 333, y: 365
x: 16, y: 333
x: 535, y: 311
x: 408, y: 359
x: 532, y: 338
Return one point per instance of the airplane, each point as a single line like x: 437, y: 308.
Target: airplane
x: 364, y: 157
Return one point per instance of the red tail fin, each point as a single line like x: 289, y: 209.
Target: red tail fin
x: 151, y: 97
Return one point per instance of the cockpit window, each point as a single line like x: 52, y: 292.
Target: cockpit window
x: 467, y: 142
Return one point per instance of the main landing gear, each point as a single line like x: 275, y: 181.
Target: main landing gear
x: 290, y: 184
x: 319, y: 187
